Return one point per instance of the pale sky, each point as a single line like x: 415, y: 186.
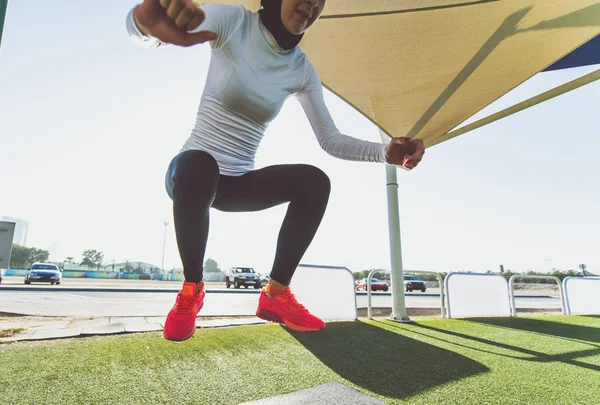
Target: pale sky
x: 89, y: 123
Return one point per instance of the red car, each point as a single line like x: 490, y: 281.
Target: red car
x: 376, y: 285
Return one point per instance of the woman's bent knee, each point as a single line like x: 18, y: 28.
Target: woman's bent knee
x: 314, y: 183
x: 319, y: 180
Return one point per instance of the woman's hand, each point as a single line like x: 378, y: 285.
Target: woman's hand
x: 170, y: 21
x: 405, y: 152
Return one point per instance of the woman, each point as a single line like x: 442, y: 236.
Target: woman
x: 255, y: 65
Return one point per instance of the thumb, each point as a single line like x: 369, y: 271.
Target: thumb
x: 201, y: 37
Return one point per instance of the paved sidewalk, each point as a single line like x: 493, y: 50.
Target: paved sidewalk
x: 44, y: 328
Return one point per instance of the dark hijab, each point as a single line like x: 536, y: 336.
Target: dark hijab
x: 270, y: 15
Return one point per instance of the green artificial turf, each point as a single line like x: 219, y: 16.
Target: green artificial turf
x: 537, y: 360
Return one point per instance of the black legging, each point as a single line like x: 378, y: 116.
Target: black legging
x: 194, y: 184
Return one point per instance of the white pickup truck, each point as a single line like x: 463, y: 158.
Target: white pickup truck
x: 242, y: 276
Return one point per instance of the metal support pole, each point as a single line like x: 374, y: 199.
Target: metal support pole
x: 397, y: 277
x: 3, y: 7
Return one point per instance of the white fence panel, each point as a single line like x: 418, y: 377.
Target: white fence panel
x: 582, y: 295
x: 326, y: 291
x: 473, y: 295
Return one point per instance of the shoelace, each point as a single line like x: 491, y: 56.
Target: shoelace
x: 292, y: 302
x: 185, y: 305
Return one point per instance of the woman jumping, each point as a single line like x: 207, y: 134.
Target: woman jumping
x: 255, y: 66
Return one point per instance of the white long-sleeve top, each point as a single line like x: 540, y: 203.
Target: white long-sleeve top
x: 249, y: 79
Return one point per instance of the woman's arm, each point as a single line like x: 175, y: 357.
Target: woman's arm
x: 156, y: 23
x: 329, y: 137
x: 403, y: 151
x: 139, y: 34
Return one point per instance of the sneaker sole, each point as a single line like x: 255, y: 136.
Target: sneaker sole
x: 182, y: 339
x: 273, y: 317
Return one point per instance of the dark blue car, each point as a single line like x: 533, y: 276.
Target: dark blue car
x: 43, y: 273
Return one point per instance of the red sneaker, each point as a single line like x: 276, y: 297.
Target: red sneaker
x: 284, y: 309
x: 181, y: 320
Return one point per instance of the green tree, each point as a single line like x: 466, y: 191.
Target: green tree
x: 92, y: 258
x: 380, y: 275
x: 560, y: 274
x: 19, y: 258
x: 211, y: 266
x: 38, y: 255
x: 23, y: 257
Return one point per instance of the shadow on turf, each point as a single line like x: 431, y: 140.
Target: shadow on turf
x: 546, y: 327
x: 529, y: 355
x: 384, y: 362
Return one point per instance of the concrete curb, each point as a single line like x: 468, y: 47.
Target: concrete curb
x: 117, y: 289
x: 209, y: 291
x: 362, y: 293
x: 104, y: 327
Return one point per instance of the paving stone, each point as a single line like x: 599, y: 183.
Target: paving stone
x: 215, y: 323
x: 145, y: 327
x: 105, y: 329
x: 54, y: 329
x: 51, y: 325
x: 327, y: 394
x: 155, y: 319
x: 89, y: 323
x: 128, y: 320
x: 42, y: 334
x: 248, y: 321
x: 33, y: 322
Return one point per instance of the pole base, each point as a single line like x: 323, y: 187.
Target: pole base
x: 406, y: 320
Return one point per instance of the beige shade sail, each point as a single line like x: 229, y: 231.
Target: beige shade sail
x: 419, y: 68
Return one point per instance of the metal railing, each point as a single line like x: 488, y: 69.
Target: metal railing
x: 438, y: 275
x: 511, y: 290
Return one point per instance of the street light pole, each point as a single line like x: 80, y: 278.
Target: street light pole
x: 162, y: 263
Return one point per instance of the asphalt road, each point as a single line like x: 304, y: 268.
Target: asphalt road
x: 108, y: 283
x: 78, y: 299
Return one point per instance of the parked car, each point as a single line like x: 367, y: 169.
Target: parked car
x: 376, y: 285
x: 242, y: 276
x: 414, y: 283
x: 1, y: 274
x: 43, y: 273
